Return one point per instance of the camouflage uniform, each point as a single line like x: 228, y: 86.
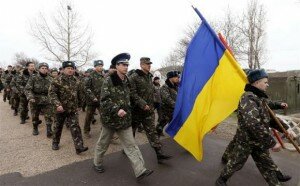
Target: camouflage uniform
x: 6, y: 79
x: 20, y: 84
x: 15, y: 93
x: 115, y: 95
x: 93, y: 86
x: 143, y: 94
x: 252, y: 137
x: 37, y: 89
x: 65, y: 91
x: 168, y: 93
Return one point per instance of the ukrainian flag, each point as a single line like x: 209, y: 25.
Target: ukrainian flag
x: 211, y: 86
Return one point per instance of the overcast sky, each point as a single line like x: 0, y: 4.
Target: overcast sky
x: 148, y: 27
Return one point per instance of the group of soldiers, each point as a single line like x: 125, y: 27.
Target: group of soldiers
x: 125, y: 101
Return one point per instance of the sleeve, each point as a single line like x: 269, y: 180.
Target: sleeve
x: 88, y: 91
x: 53, y: 90
x: 166, y: 97
x: 274, y: 105
x: 106, y: 99
x: 252, y: 120
x: 14, y: 86
x: 28, y: 89
x: 137, y: 100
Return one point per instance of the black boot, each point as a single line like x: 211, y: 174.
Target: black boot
x: 55, y: 146
x: 282, y: 177
x: 35, y: 129
x: 221, y: 182
x: 22, y: 121
x: 160, y: 156
x: 49, y: 131
x: 16, y: 112
x: 82, y: 149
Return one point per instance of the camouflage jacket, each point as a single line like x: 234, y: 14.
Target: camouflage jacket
x: 37, y: 88
x: 142, y: 90
x: 66, y: 91
x: 93, y: 86
x: 254, y: 119
x: 13, y: 84
x: 115, y: 95
x: 168, y: 93
x: 157, y: 97
x: 6, y: 78
x: 21, y: 81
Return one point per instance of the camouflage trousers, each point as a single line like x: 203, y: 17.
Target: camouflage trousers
x: 164, y: 120
x: 131, y: 150
x: 75, y: 130
x: 262, y: 159
x: 36, y: 109
x: 15, y: 101
x: 148, y: 126
x: 89, y: 117
x: 6, y: 95
x: 23, y: 109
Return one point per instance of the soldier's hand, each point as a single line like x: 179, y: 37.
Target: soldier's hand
x: 59, y: 109
x: 32, y: 100
x: 284, y: 105
x: 146, y: 107
x: 277, y: 147
x: 121, y: 113
x: 95, y: 100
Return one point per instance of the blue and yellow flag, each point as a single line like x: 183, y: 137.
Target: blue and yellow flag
x: 211, y: 85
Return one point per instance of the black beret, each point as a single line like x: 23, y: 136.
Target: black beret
x: 255, y: 75
x: 172, y: 74
x: 68, y: 64
x: 98, y: 62
x: 121, y: 58
x: 155, y: 78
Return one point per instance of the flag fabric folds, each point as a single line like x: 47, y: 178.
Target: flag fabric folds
x: 211, y: 85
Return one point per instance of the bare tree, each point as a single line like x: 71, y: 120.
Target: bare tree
x: 252, y: 29
x: 63, y: 36
x: 245, y: 36
x: 21, y: 59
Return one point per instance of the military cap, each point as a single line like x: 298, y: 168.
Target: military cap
x: 54, y: 70
x: 172, y: 74
x: 68, y: 64
x: 9, y: 66
x: 121, y: 58
x: 43, y: 65
x: 98, y: 62
x: 89, y: 70
x: 145, y: 60
x: 255, y: 75
x: 28, y: 63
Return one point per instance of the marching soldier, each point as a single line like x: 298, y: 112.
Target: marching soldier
x: 253, y: 136
x: 21, y: 82
x: 65, y: 94
x: 6, y: 78
x: 116, y: 118
x: 36, y: 92
x: 168, y: 93
x: 93, y: 86
x: 143, y: 106
x: 15, y: 92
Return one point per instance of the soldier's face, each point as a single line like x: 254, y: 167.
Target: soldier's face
x: 9, y: 69
x: 175, y: 80
x: 122, y: 68
x: 99, y: 68
x: 69, y: 71
x: 31, y: 67
x: 54, y: 74
x: 262, y: 84
x: 146, y: 67
x: 43, y: 70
